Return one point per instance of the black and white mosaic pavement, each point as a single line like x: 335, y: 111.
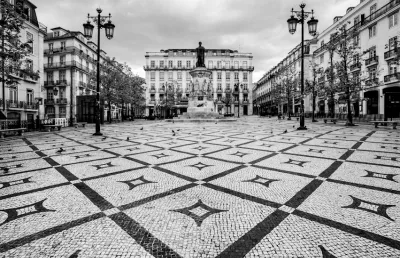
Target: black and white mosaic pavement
x: 243, y: 189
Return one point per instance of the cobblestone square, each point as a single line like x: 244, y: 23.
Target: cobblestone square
x: 242, y: 189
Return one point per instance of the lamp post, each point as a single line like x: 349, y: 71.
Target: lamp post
x: 88, y: 31
x: 312, y: 28
x: 2, y: 23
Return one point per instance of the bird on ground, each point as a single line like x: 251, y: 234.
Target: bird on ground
x: 141, y: 128
x: 173, y: 122
x: 6, y: 169
x: 60, y: 150
x: 127, y: 138
x: 293, y: 126
x: 178, y: 129
x: 173, y: 131
x: 216, y: 122
x: 285, y: 131
x: 173, y: 134
x: 103, y: 138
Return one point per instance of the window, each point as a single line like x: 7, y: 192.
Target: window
x: 152, y: 64
x: 321, y: 59
x: 179, y: 76
x: 372, y: 52
x: 170, y: 76
x: 27, y: 12
x: 372, y: 31
x: 211, y: 76
x: 227, y: 64
x: 245, y: 86
x: 356, y: 40
x: 357, y: 21
x: 236, y: 64
x: 188, y: 76
x: 62, y: 75
x: 50, y: 94
x: 356, y: 59
x: 218, y: 64
x: 372, y: 9
x: 50, y: 110
x: 188, y: 64
x: 393, y: 20
x: 219, y: 76
x: 161, y: 76
x: 13, y: 94
x: 170, y: 63
x: 219, y: 86
x: 372, y: 73
x: 322, y: 43
x: 29, y: 38
x: 29, y: 96
x: 153, y: 76
x: 161, y: 64
x: 244, y: 64
x: 227, y: 76
x: 393, y: 68
x: 153, y: 86
x: 63, y: 111
x: 236, y: 76
x: 62, y: 59
x: 51, y: 46
x: 56, y: 34
x: 244, y: 76
x: 50, y: 76
x: 29, y: 64
x: 393, y: 43
x: 210, y: 64
x: 179, y: 64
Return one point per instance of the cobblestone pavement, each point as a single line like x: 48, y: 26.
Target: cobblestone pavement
x: 243, y: 189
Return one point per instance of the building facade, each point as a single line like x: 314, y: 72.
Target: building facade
x: 23, y: 99
x: 374, y: 31
x: 171, y: 67
x: 69, y: 58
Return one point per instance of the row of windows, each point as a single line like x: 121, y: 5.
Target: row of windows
x: 188, y: 76
x: 219, y: 64
x: 13, y: 95
x: 219, y: 86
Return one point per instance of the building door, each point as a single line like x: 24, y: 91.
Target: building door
x: 30, y: 121
x: 245, y: 110
x: 392, y: 105
x: 86, y: 108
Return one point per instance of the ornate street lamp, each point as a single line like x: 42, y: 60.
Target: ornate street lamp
x: 312, y: 29
x: 88, y: 32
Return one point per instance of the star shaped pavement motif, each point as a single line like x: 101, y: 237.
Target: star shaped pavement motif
x: 261, y: 180
x: 198, y: 212
x: 325, y: 253
x: 372, y: 207
x: 200, y: 148
x: 240, y: 154
x: 200, y: 165
x: 136, y: 182
x: 159, y: 156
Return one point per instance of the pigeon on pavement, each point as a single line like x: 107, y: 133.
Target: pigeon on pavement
x: 127, y: 138
x: 141, y: 128
x: 285, y: 131
x: 60, y: 150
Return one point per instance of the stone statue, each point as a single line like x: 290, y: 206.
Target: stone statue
x: 200, y: 56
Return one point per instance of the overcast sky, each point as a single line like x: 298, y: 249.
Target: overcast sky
x: 251, y: 26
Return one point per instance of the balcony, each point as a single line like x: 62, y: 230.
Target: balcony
x: 356, y: 66
x: 152, y: 101
x: 391, y: 54
x: 219, y: 90
x: 11, y: 103
x: 153, y: 90
x: 49, y: 83
x: 61, y: 82
x: 49, y: 101
x: 161, y: 91
x: 371, y: 82
x: 228, y: 90
x: 372, y: 61
x: 394, y: 77
x: 245, y: 91
x: 51, y: 66
x: 62, y: 101
x: 31, y: 105
x: 82, y: 84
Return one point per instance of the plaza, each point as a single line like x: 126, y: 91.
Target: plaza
x: 253, y: 188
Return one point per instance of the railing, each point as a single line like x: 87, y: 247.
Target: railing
x: 372, y: 60
x: 245, y: 91
x: 62, y: 101
x: 70, y: 49
x: 371, y: 81
x: 152, y: 90
x: 391, y: 77
x: 49, y: 102
x: 49, y: 83
x: 228, y: 90
x: 355, y: 66
x: 161, y: 90
x: 61, y: 82
x: 391, y: 54
x: 42, y: 28
x: 82, y: 84
x: 66, y: 64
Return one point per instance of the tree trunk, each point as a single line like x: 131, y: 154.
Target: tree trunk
x: 109, y: 112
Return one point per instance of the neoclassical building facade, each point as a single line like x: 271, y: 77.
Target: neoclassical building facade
x: 171, y: 67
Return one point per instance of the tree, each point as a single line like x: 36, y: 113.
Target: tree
x: 227, y: 100
x: 277, y: 94
x: 13, y: 51
x: 288, y: 84
x: 312, y: 87
x: 170, y: 98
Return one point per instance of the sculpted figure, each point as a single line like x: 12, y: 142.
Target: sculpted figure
x: 200, y: 56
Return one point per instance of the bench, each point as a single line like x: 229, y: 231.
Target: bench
x: 386, y: 122
x: 20, y: 131
x: 333, y: 120
x: 83, y: 124
x: 48, y: 127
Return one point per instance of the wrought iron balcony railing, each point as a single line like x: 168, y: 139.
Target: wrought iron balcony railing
x: 372, y: 60
x: 392, y: 77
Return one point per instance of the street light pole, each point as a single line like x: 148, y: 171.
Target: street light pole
x: 88, y: 31
x: 312, y: 27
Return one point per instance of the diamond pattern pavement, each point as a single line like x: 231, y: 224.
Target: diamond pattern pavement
x: 243, y: 189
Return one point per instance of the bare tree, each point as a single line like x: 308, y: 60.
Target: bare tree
x: 312, y: 87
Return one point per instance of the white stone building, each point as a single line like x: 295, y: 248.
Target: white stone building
x: 23, y: 98
x: 172, y: 66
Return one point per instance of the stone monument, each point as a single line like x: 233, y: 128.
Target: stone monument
x: 201, y: 101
